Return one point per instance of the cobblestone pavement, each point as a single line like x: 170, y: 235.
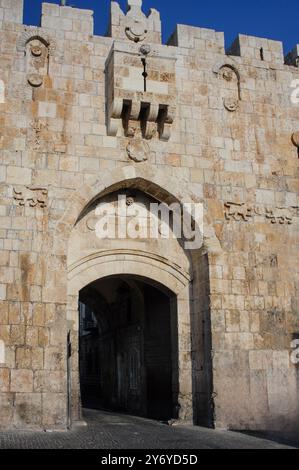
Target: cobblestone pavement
x: 113, y: 431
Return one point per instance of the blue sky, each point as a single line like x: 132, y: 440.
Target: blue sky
x: 273, y: 19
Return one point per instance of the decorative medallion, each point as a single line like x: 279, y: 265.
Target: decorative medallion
x: 138, y: 150
x: 136, y: 29
x: 130, y: 201
x: 91, y: 223
x: 36, y: 51
x: 231, y: 104
x: 136, y: 32
x: 145, y: 49
x: 230, y: 87
x: 37, y: 61
x: 35, y: 80
x: 227, y: 74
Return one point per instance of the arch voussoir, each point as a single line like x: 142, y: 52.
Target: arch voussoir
x: 163, y: 187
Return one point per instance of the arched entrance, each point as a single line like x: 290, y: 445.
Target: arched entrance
x: 150, y: 270
x: 128, y: 349
x: 185, y: 274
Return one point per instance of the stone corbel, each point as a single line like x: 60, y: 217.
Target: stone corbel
x: 149, y: 123
x: 115, y: 116
x: 131, y: 119
x: 167, y: 116
x: 154, y: 118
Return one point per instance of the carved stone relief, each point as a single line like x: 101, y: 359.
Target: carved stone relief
x: 37, y: 48
x: 231, y: 104
x: 230, y: 87
x: 279, y: 215
x: 136, y: 22
x: 235, y: 211
x: 35, y: 33
x: 145, y: 49
x: 31, y: 196
x: 134, y: 25
x: 37, y: 58
x: 91, y: 223
x: 37, y: 127
x: 138, y: 150
x: 244, y: 212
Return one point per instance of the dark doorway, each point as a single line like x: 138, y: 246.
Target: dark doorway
x: 129, y: 348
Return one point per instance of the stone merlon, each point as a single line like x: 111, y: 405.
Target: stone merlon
x: 135, y: 25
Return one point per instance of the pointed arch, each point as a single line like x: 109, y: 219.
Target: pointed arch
x: 191, y: 288
x: 156, y: 183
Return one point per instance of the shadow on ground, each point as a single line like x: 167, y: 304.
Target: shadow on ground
x: 104, y: 430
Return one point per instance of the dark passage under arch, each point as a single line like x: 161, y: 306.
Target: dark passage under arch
x: 129, y: 347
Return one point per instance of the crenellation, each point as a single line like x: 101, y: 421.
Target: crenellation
x: 134, y: 24
x: 67, y: 19
x: 197, y: 38
x: 257, y: 49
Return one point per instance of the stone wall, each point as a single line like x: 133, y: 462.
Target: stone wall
x: 11, y: 11
x: 229, y: 122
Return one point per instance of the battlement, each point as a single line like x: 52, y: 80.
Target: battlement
x: 251, y: 47
x: 134, y: 25
x: 65, y: 18
x: 198, y: 38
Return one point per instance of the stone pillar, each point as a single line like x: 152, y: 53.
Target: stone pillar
x: 184, y: 357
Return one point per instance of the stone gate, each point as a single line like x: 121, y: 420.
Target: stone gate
x: 85, y: 119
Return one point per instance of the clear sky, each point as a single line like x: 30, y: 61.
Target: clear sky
x: 273, y: 19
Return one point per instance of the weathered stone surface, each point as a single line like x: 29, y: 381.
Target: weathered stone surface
x: 82, y: 118
x: 6, y: 410
x: 4, y: 380
x: 28, y: 410
x: 55, y: 358
x: 49, y: 381
x: 21, y: 380
x: 53, y: 414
